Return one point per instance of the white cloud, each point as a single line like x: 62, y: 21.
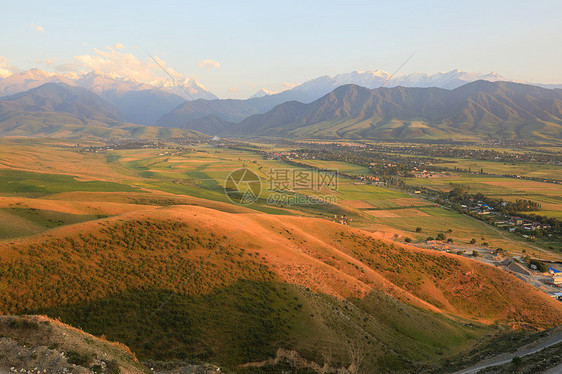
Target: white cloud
x: 119, y: 46
x: 36, y: 27
x: 209, y: 64
x: 123, y: 64
x: 5, y: 69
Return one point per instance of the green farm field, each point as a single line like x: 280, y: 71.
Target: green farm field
x: 533, y: 170
x: 200, y: 171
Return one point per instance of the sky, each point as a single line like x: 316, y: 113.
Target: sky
x: 234, y: 48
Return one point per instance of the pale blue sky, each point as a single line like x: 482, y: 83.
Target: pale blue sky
x: 261, y: 44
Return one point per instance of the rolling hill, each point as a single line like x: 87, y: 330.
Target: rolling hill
x: 474, y: 111
x: 214, y: 282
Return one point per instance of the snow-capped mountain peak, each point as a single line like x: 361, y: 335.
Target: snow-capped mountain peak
x: 261, y: 93
x: 100, y: 83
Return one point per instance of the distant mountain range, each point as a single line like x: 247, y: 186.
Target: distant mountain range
x: 485, y: 108
x: 61, y: 110
x: 136, y: 102
x: 318, y: 87
x: 471, y: 112
x: 191, y: 114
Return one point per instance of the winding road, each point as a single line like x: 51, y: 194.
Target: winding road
x: 553, y: 338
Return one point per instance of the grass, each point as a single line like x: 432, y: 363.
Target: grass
x: 341, y: 167
x: 201, y: 171
x: 32, y: 184
x: 534, y: 170
x: 246, y: 302
x: 146, y: 288
x: 19, y: 222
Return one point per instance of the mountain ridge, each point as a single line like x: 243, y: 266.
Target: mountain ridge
x: 474, y: 110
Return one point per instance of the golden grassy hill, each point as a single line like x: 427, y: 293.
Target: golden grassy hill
x: 195, y: 282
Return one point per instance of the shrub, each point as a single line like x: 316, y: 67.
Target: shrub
x: 485, y: 244
x: 418, y: 229
x: 112, y: 367
x: 408, y: 240
x: 20, y: 323
x: 450, y: 240
x: 441, y: 236
x: 429, y: 238
x: 475, y: 253
x: 516, y: 360
x: 77, y: 358
x: 460, y: 253
x: 472, y: 241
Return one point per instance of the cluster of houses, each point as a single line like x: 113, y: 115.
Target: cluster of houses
x: 479, y: 208
x: 373, y: 180
x: 428, y: 174
x: 517, y: 222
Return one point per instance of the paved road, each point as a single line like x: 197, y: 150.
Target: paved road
x: 554, y: 370
x: 554, y: 338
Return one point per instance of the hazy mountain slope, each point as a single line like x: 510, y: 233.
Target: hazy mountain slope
x: 143, y: 107
x: 60, y: 98
x: 475, y: 110
x: 270, y: 282
x: 187, y: 114
x: 60, y: 110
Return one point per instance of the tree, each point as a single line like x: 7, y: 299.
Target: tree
x: 541, y: 266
